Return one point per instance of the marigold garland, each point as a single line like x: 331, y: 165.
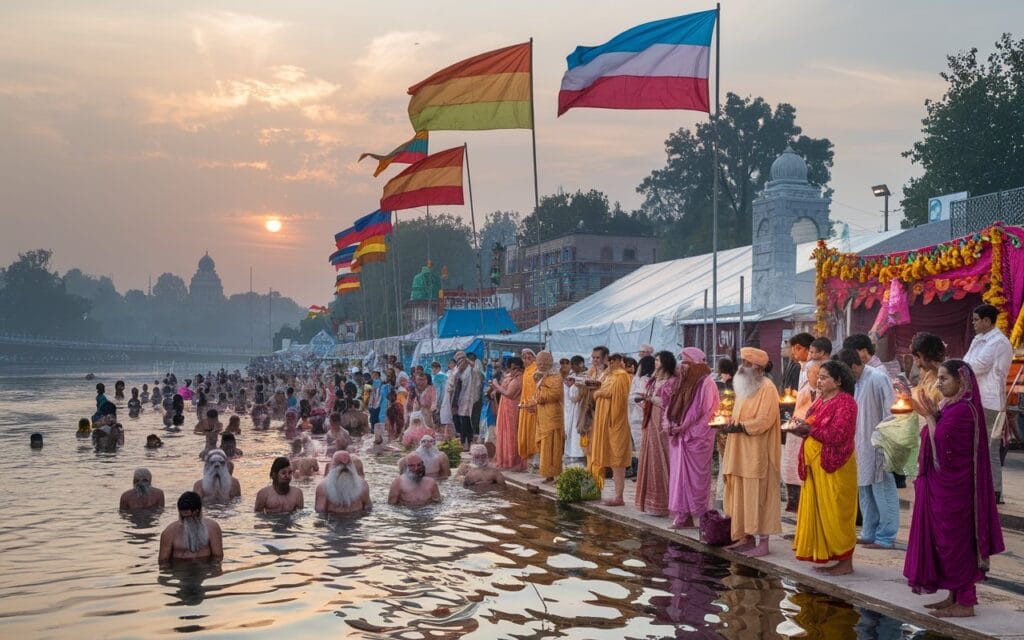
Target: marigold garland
x: 914, y: 266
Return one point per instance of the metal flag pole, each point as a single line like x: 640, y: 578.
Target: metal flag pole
x: 536, y: 210
x: 397, y: 272
x: 472, y: 220
x: 432, y: 304
x: 739, y: 340
x: 714, y: 192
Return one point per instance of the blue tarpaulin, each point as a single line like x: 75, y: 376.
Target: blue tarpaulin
x: 466, y: 322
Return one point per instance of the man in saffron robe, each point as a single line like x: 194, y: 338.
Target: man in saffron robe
x: 550, y: 430
x: 753, y: 454
x: 691, y: 440
x: 612, y: 445
x: 527, y: 435
x: 955, y: 526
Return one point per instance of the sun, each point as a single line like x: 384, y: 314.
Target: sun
x: 273, y: 225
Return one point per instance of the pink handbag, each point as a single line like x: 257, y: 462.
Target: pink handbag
x: 715, y: 528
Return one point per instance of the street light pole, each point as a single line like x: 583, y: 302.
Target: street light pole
x: 882, y: 191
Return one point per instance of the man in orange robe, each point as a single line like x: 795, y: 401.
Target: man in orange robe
x: 612, y: 445
x: 526, y: 437
x: 550, y: 425
x: 753, y: 452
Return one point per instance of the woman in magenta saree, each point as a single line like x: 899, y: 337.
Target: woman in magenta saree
x: 953, y: 487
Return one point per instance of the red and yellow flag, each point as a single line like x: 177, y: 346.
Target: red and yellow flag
x: 488, y: 91
x: 437, y: 179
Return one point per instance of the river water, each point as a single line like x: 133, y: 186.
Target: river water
x: 508, y: 565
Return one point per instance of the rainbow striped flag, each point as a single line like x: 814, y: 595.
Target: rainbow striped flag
x: 437, y: 179
x: 657, y: 65
x: 408, y: 152
x: 492, y: 90
x: 372, y: 224
x: 346, y: 284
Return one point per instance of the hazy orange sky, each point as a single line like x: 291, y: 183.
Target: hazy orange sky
x: 137, y: 135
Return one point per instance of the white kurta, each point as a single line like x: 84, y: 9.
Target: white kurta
x: 874, y: 396
x: 571, y: 414
x: 636, y: 410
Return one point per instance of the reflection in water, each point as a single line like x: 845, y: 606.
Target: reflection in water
x: 480, y: 565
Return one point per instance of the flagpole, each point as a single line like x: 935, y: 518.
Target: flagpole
x: 432, y: 305
x: 714, y: 191
x: 536, y: 205
x: 472, y: 220
x: 397, y: 273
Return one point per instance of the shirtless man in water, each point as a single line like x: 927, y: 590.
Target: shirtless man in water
x: 217, y: 485
x: 481, y: 474
x: 435, y: 461
x: 143, y: 495
x: 412, y: 488
x: 303, y: 466
x: 343, y: 489
x: 192, y: 537
x: 280, y: 496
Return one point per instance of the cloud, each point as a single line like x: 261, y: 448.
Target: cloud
x: 286, y: 87
x: 258, y: 165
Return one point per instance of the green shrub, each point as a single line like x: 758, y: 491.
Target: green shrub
x: 453, y: 449
x: 575, y: 484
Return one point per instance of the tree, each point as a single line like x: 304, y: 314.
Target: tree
x: 974, y: 136
x: 500, y: 227
x: 752, y: 136
x: 34, y: 300
x: 170, y: 290
x: 562, y: 213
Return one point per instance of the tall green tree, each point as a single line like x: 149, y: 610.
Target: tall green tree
x: 752, y: 135
x: 500, y: 227
x: 33, y: 300
x: 974, y: 135
x: 561, y: 212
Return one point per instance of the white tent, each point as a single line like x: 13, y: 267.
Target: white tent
x: 650, y: 304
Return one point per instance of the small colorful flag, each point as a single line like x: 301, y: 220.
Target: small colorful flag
x: 372, y: 224
x: 437, y: 179
x: 657, y: 65
x: 342, y: 257
x: 408, y: 152
x: 488, y: 91
x: 347, y: 284
x: 316, y: 310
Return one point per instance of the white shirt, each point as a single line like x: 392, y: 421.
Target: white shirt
x: 874, y: 396
x: 990, y: 356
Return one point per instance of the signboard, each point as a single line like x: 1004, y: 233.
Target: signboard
x: 938, y: 206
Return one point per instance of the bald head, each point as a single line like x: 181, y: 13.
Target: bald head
x: 414, y: 466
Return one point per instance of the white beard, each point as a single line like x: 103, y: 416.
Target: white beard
x: 343, y: 488
x: 142, y: 489
x: 746, y: 385
x: 216, y: 482
x: 482, y: 465
x: 196, y: 535
x: 412, y: 477
x: 428, y: 455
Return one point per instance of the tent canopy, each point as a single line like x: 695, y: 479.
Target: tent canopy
x: 467, y: 322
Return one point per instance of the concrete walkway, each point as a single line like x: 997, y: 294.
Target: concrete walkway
x: 877, y: 582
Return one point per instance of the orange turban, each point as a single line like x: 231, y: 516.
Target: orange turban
x: 754, y: 356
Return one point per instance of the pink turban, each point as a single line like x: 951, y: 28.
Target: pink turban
x: 693, y: 354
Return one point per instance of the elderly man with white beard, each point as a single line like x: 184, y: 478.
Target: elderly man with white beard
x: 753, y: 453
x: 192, y: 537
x: 481, y: 474
x: 435, y: 461
x: 412, y: 487
x: 342, y: 490
x: 143, y: 495
x: 217, y: 485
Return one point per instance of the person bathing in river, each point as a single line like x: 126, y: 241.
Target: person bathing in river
x: 343, y: 489
x: 435, y: 462
x: 280, y: 496
x: 217, y: 485
x: 227, y: 445
x: 412, y: 487
x: 142, y: 495
x: 303, y: 465
x: 192, y: 537
x: 481, y: 474
x: 134, y: 404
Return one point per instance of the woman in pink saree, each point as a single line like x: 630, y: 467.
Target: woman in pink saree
x: 652, y: 473
x: 691, y: 440
x: 955, y: 527
x: 506, y: 454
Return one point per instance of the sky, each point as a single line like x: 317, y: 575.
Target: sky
x: 135, y: 136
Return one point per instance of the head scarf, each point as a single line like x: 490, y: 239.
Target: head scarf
x: 693, y: 355
x: 689, y: 383
x: 755, y: 356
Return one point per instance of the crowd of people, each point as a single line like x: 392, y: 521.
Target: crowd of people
x: 838, y: 453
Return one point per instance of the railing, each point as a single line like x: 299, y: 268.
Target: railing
x: 971, y: 214
x: 68, y: 343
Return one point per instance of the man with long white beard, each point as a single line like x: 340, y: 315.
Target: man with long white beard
x: 481, y: 474
x: 217, y: 485
x: 192, y: 537
x: 342, y: 490
x: 143, y: 495
x: 412, y: 487
x: 753, y: 452
x: 434, y: 461
x: 280, y: 496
